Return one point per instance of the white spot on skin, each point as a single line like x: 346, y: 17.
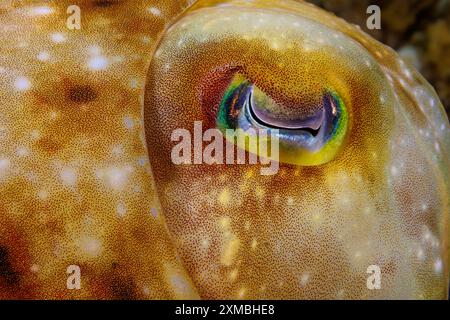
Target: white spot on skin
x: 344, y: 200
x: 43, y: 56
x: 58, y: 37
x: 180, y: 43
x: 22, y: 44
x: 241, y: 293
x: 117, y: 150
x: 158, y: 53
x: 94, y: 50
x: 34, y: 268
x: 53, y: 115
x: 432, y: 102
x: 340, y: 294
x: 424, y: 207
x: 115, y: 177
x: 137, y: 189
x: 121, y: 210
x: 98, y: 63
x: 435, y: 243
x: 304, y: 279
x: 181, y: 286
x: 155, y: 11
x: 146, y: 40
x: 420, y: 254
x: 42, y: 195
x: 154, y: 212
x: 275, y: 45
x: 40, y: 11
x: 134, y: 83
x: 68, y: 176
x: 407, y: 73
x: 4, y: 165
x: 205, y: 243
x: 22, y: 151
x: 91, y: 246
x: 254, y: 244
x: 128, y: 122
x: 142, y: 161
x: 118, y: 59
x: 35, y: 134
x: 427, y: 235
x: 22, y: 84
x: 437, y: 147
x: 438, y: 266
x: 394, y: 170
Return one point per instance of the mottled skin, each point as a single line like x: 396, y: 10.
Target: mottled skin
x: 77, y: 187
x: 75, y: 183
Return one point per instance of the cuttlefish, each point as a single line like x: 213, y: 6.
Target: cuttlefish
x: 88, y: 178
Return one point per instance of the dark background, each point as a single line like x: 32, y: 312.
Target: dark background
x: 418, y: 29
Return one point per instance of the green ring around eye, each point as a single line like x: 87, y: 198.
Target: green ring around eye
x: 310, y: 140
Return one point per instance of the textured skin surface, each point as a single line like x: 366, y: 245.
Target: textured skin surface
x: 75, y: 183
x: 76, y: 186
x: 309, y: 231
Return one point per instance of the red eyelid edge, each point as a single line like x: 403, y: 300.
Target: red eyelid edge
x: 211, y: 89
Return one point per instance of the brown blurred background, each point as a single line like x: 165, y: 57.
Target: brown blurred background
x: 418, y: 29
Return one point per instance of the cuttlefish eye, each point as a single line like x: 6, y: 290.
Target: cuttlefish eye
x: 309, y: 92
x: 358, y: 184
x: 306, y: 138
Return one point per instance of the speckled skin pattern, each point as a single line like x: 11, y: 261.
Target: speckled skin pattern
x: 86, y: 176
x: 75, y: 182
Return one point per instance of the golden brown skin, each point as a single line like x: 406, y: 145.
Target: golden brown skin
x: 308, y: 231
x: 76, y: 186
x: 75, y: 183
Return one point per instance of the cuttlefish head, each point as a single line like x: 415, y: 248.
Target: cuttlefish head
x: 362, y: 156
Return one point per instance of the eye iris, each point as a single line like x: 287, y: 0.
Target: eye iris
x: 340, y: 118
x: 306, y: 139
x: 267, y: 113
x: 232, y: 103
